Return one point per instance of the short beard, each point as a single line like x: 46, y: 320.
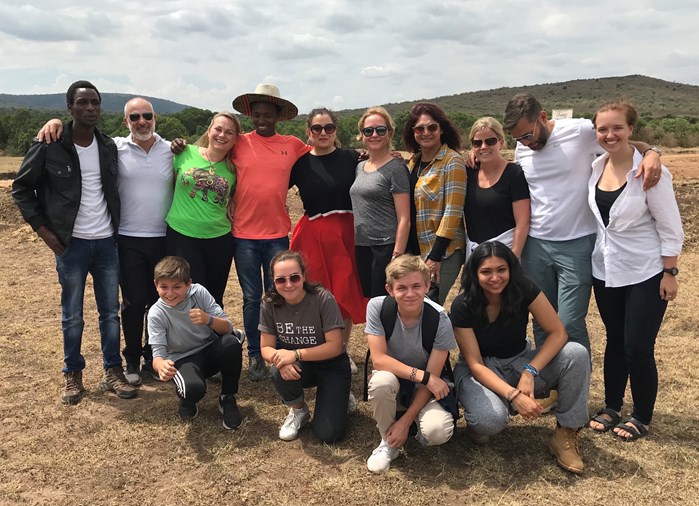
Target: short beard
x: 142, y: 137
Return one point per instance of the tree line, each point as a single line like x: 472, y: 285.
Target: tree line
x: 19, y: 126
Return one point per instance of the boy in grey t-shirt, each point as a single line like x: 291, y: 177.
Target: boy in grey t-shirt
x: 193, y: 339
x: 403, y: 368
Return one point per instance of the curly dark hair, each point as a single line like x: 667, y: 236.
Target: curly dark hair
x: 272, y: 295
x: 450, y: 134
x: 70, y: 94
x: 512, y: 295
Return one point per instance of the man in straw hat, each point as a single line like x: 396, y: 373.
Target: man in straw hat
x: 263, y: 160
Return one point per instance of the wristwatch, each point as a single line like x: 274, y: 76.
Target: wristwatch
x: 672, y: 271
x: 653, y: 148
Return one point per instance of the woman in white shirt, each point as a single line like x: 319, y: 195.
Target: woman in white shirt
x: 634, y: 268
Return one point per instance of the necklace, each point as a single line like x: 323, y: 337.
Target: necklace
x: 212, y: 168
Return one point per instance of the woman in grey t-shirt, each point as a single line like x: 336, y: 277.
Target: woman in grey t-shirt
x: 300, y: 328
x: 380, y: 202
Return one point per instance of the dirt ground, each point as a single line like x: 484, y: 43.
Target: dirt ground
x: 111, y: 451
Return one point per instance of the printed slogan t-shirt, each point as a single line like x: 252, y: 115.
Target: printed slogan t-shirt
x: 301, y: 325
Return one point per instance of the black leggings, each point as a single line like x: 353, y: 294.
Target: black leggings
x: 632, y: 316
x: 209, y: 259
x: 371, y: 267
x: 333, y: 379
x: 225, y: 354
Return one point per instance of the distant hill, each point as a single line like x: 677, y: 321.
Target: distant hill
x: 652, y: 97
x: 111, y: 102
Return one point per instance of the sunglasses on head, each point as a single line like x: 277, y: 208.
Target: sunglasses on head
x: 432, y: 128
x: 369, y: 131
x: 329, y: 128
x: 134, y: 116
x: 490, y: 141
x: 281, y: 280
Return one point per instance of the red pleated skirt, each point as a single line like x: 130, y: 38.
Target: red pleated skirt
x: 327, y: 244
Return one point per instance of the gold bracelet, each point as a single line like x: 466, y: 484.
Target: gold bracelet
x: 297, y: 355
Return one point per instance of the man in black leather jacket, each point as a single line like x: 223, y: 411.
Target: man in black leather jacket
x: 67, y: 192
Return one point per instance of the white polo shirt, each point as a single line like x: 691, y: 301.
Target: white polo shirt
x: 557, y: 176
x: 145, y: 185
x: 644, y: 226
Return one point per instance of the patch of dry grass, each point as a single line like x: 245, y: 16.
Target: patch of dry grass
x: 111, y: 451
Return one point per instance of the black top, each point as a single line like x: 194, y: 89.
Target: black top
x: 489, y: 210
x: 324, y: 181
x: 499, y: 339
x: 605, y: 200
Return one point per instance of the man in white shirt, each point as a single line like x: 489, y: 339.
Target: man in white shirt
x: 556, y: 157
x: 67, y: 192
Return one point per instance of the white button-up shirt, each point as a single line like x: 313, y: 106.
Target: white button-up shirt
x: 644, y: 227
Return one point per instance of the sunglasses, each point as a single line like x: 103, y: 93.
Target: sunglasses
x: 281, y: 280
x: 134, y: 116
x: 369, y: 131
x: 432, y: 128
x: 329, y: 128
x: 490, y: 141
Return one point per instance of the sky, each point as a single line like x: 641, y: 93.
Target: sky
x: 335, y: 53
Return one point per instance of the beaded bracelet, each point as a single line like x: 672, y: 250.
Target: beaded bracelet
x: 412, y: 374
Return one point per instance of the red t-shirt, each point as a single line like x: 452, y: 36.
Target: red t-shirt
x: 263, y: 166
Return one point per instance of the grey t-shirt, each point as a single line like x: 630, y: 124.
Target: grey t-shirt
x: 172, y: 334
x: 301, y: 325
x: 375, y: 219
x: 405, y: 344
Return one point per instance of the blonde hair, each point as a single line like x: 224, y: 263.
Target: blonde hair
x: 203, y: 141
x: 487, y: 122
x: 379, y: 111
x: 405, y: 264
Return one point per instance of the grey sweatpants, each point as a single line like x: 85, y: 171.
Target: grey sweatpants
x: 569, y: 372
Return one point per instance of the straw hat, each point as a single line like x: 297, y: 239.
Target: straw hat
x: 266, y: 93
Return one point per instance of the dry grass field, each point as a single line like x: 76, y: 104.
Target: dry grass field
x: 109, y: 451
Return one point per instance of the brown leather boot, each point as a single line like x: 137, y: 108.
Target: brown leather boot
x: 564, y: 445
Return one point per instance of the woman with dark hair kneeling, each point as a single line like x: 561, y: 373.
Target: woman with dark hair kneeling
x: 498, y: 374
x: 300, y: 328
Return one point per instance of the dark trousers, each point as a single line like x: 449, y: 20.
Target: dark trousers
x: 225, y: 354
x: 632, y: 316
x: 371, y: 267
x: 137, y: 259
x: 333, y: 379
x: 209, y: 259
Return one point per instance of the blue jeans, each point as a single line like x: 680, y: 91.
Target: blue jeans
x: 253, y: 256
x: 563, y: 271
x: 101, y: 259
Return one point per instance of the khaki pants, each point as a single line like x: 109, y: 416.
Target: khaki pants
x: 435, y: 424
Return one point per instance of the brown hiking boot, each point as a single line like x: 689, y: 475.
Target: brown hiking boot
x: 550, y: 402
x: 564, y: 445
x: 115, y: 381
x: 73, y: 389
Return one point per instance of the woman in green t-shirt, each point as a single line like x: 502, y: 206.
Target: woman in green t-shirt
x: 198, y: 226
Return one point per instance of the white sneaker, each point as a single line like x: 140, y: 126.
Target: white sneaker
x: 293, y: 423
x: 381, y: 458
x: 352, y: 403
x: 353, y: 366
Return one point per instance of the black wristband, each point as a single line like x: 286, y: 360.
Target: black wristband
x: 439, y: 248
x: 425, y: 377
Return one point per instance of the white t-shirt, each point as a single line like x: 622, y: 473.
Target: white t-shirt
x: 93, y: 220
x: 145, y: 187
x: 557, y: 176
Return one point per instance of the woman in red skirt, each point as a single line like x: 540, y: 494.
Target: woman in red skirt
x: 325, y: 233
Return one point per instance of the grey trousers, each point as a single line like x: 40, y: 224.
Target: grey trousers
x: 488, y: 413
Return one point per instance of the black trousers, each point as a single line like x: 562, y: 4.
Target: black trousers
x: 225, y: 354
x: 333, y: 379
x: 371, y: 268
x: 632, y: 316
x: 209, y: 259
x: 137, y: 259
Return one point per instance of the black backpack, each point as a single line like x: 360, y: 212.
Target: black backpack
x: 430, y: 324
